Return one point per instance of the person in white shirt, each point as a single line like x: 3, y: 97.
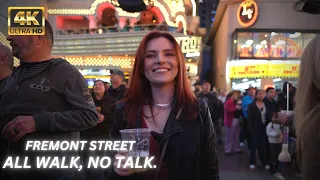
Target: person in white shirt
x: 275, y: 137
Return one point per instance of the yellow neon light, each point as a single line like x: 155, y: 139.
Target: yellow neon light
x: 194, y: 8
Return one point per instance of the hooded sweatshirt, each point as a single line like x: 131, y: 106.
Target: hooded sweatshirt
x: 56, y: 95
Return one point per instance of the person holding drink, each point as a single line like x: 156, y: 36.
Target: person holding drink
x: 159, y: 99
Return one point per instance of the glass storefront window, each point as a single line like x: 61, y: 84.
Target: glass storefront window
x: 244, y: 44
x: 278, y: 45
x: 294, y: 45
x: 261, y: 45
x: 307, y: 38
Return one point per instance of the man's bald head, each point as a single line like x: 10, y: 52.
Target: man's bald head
x: 6, y: 57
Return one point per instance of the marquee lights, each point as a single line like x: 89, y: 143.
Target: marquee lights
x: 173, y: 8
x: 181, y: 19
x: 194, y: 8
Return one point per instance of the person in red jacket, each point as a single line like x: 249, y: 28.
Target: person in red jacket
x: 232, y: 124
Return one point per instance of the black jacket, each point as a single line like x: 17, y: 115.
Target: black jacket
x: 59, y: 100
x: 272, y: 107
x: 255, y: 124
x: 191, y: 151
x: 118, y: 93
x: 102, y: 130
x: 216, y: 107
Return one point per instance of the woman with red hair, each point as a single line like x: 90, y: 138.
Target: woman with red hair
x: 158, y: 91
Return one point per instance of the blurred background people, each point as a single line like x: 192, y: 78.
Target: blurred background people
x: 197, y: 88
x: 222, y: 95
x: 6, y: 63
x: 275, y: 138
x: 257, y: 119
x: 104, y: 106
x: 216, y: 108
x: 282, y: 99
x: 117, y: 89
x: 232, y: 124
x: 307, y: 112
x: 246, y: 101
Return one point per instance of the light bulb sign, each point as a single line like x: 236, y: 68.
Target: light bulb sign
x: 247, y: 13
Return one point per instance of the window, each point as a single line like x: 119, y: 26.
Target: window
x: 261, y: 45
x: 278, y: 45
x: 307, y: 38
x: 244, y: 44
x: 294, y: 45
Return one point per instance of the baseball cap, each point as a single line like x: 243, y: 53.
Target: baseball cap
x: 118, y: 72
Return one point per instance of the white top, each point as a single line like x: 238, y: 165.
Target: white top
x: 263, y: 114
x: 274, y: 132
x: 222, y: 99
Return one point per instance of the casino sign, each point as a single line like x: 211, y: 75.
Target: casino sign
x: 247, y: 13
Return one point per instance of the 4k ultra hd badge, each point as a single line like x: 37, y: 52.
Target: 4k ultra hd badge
x: 26, y: 21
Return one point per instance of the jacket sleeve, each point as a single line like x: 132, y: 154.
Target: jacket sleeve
x: 82, y: 114
x: 209, y: 168
x: 245, y: 107
x: 250, y: 118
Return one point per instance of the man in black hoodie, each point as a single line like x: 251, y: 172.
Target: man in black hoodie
x: 44, y: 99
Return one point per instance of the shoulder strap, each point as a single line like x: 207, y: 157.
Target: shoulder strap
x: 165, y: 147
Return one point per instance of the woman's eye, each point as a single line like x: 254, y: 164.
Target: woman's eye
x: 150, y: 56
x: 170, y: 54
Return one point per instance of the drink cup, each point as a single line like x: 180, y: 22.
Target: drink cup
x: 142, y: 138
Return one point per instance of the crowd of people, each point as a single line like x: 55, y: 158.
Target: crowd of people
x: 250, y: 116
x: 47, y: 98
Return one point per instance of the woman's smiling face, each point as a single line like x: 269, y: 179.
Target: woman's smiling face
x: 160, y: 62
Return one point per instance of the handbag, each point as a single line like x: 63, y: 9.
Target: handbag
x: 165, y: 147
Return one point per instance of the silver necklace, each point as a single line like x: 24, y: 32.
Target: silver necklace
x: 162, y: 106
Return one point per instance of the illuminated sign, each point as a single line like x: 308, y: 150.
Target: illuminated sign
x: 26, y: 21
x: 190, y: 44
x: 265, y: 70
x: 247, y: 13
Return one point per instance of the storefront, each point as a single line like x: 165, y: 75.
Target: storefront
x: 259, y: 43
x: 263, y: 58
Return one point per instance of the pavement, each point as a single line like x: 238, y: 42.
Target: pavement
x: 236, y: 167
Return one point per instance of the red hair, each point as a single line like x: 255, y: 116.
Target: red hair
x: 139, y: 92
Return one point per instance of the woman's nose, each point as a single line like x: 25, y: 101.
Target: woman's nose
x: 161, y: 59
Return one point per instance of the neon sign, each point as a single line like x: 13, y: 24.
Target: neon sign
x: 247, y: 13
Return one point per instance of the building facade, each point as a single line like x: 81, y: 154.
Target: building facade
x: 259, y: 43
x: 97, y: 36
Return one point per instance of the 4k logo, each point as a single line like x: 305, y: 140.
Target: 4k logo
x: 26, y: 21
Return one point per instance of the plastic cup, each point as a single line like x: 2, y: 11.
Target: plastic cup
x: 142, y: 138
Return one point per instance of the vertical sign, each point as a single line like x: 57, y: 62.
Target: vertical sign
x: 247, y: 13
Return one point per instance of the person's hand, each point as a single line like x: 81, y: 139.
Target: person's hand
x: 19, y: 127
x: 283, y: 118
x: 100, y: 118
x: 122, y: 171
